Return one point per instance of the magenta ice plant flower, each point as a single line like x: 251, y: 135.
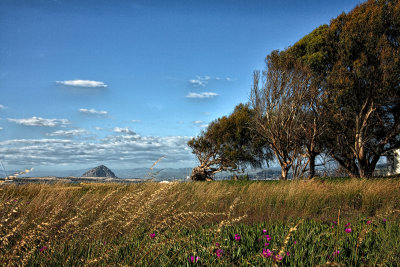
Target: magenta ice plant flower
x: 237, y: 237
x: 219, y: 252
x: 268, y: 237
x: 288, y: 253
x: 295, y: 242
x: 264, y: 231
x: 348, y: 230
x: 217, y: 245
x: 266, y: 253
x: 347, y: 225
x: 266, y: 244
x: 384, y: 220
x: 152, y: 235
x: 336, y: 252
x: 42, y: 248
x: 194, y: 259
x: 368, y: 222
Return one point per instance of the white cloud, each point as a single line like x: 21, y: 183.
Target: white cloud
x: 99, y: 128
x: 197, y: 83
x: 133, y: 149
x: 124, y: 130
x: 83, y: 83
x: 2, y: 107
x: 200, y: 124
x: 202, y: 95
x: 135, y: 121
x: 38, y: 121
x: 68, y: 133
x: 200, y: 81
x: 93, y: 111
x: 228, y: 79
x: 1, y: 129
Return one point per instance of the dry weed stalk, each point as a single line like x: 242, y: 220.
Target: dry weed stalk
x: 287, y: 238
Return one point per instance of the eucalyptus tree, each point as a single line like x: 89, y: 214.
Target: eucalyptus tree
x: 356, y: 60
x: 278, y: 98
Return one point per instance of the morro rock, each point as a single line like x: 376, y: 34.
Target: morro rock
x: 99, y: 171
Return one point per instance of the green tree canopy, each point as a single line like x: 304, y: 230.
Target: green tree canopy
x: 228, y: 144
x: 356, y: 61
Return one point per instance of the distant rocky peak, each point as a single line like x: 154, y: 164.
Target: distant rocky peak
x: 99, y: 171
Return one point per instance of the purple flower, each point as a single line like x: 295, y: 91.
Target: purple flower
x: 217, y: 245
x: 368, y: 222
x: 219, y: 252
x: 264, y: 231
x: 152, y: 235
x: 193, y: 259
x: 237, y: 237
x: 268, y: 237
x: 348, y: 224
x: 348, y: 230
x: 288, y: 253
x: 266, y: 253
x: 266, y: 244
x: 295, y: 242
x: 42, y: 248
x: 335, y: 253
x: 334, y: 222
x: 384, y: 220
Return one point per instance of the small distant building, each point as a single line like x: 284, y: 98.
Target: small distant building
x: 393, y: 161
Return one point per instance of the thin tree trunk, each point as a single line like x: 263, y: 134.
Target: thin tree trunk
x: 312, y: 165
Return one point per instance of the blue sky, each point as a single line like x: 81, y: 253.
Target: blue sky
x: 123, y: 83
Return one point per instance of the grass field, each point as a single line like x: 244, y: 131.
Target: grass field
x: 319, y: 222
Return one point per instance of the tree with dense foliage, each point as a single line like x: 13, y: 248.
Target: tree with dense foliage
x: 356, y: 61
x: 228, y: 144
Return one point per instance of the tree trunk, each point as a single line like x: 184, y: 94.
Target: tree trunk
x: 312, y: 165
x: 367, y: 168
x: 200, y: 174
x: 284, y: 172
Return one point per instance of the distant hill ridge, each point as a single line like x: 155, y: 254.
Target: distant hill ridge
x: 99, y: 171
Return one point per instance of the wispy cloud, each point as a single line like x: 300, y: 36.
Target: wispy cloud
x: 68, y: 133
x: 200, y: 81
x: 136, y: 121
x: 38, y: 121
x: 1, y: 129
x: 200, y: 123
x: 93, y: 111
x: 2, y: 107
x: 83, y: 83
x: 124, y: 130
x: 202, y: 95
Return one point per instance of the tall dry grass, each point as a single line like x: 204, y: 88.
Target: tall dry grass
x: 63, y: 217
